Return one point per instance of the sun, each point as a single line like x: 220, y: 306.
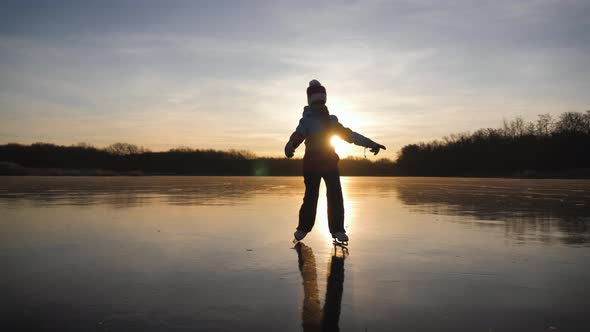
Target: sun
x: 343, y: 149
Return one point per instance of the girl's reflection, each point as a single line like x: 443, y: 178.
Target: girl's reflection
x: 314, y: 319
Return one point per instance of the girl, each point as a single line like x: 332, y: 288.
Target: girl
x: 316, y: 128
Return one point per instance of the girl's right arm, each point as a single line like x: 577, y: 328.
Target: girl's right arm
x: 296, y: 139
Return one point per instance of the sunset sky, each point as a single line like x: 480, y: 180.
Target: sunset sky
x: 232, y: 74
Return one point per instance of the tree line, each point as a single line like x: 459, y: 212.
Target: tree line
x: 546, y: 147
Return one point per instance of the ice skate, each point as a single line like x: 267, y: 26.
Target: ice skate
x: 299, y: 235
x: 340, y: 239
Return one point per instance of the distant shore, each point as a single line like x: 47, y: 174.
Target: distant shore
x: 12, y: 169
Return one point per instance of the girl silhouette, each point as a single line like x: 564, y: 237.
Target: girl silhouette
x: 316, y: 128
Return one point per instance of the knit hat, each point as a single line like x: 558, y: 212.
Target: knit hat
x: 316, y: 93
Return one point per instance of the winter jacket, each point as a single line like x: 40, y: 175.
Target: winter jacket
x: 316, y: 128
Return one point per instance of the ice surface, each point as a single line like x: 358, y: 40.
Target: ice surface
x: 215, y: 253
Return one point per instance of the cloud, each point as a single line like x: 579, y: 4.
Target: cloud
x: 235, y: 76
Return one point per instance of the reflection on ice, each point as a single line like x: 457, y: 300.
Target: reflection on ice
x: 527, y: 209
x: 313, y: 318
x: 539, y: 210
x: 124, y: 192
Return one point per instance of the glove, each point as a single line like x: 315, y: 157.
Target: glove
x: 376, y: 147
x: 289, y: 150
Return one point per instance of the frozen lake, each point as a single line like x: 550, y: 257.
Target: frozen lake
x: 215, y: 253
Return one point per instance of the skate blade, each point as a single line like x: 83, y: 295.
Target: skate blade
x: 340, y: 243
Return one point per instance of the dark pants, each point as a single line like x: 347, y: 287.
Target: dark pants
x: 310, y: 201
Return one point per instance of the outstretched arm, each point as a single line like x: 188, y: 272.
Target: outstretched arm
x: 356, y: 138
x: 361, y: 140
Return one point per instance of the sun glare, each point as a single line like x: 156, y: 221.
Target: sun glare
x: 342, y: 148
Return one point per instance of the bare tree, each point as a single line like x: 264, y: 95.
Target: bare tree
x: 125, y: 149
x: 544, y: 124
x: 519, y: 126
x: 572, y: 122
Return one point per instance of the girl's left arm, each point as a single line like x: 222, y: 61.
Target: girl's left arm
x: 354, y: 137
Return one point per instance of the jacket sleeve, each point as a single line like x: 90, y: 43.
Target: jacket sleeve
x: 299, y: 134
x: 351, y: 136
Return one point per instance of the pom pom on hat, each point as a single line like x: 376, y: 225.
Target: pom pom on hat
x: 316, y: 93
x: 314, y: 83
